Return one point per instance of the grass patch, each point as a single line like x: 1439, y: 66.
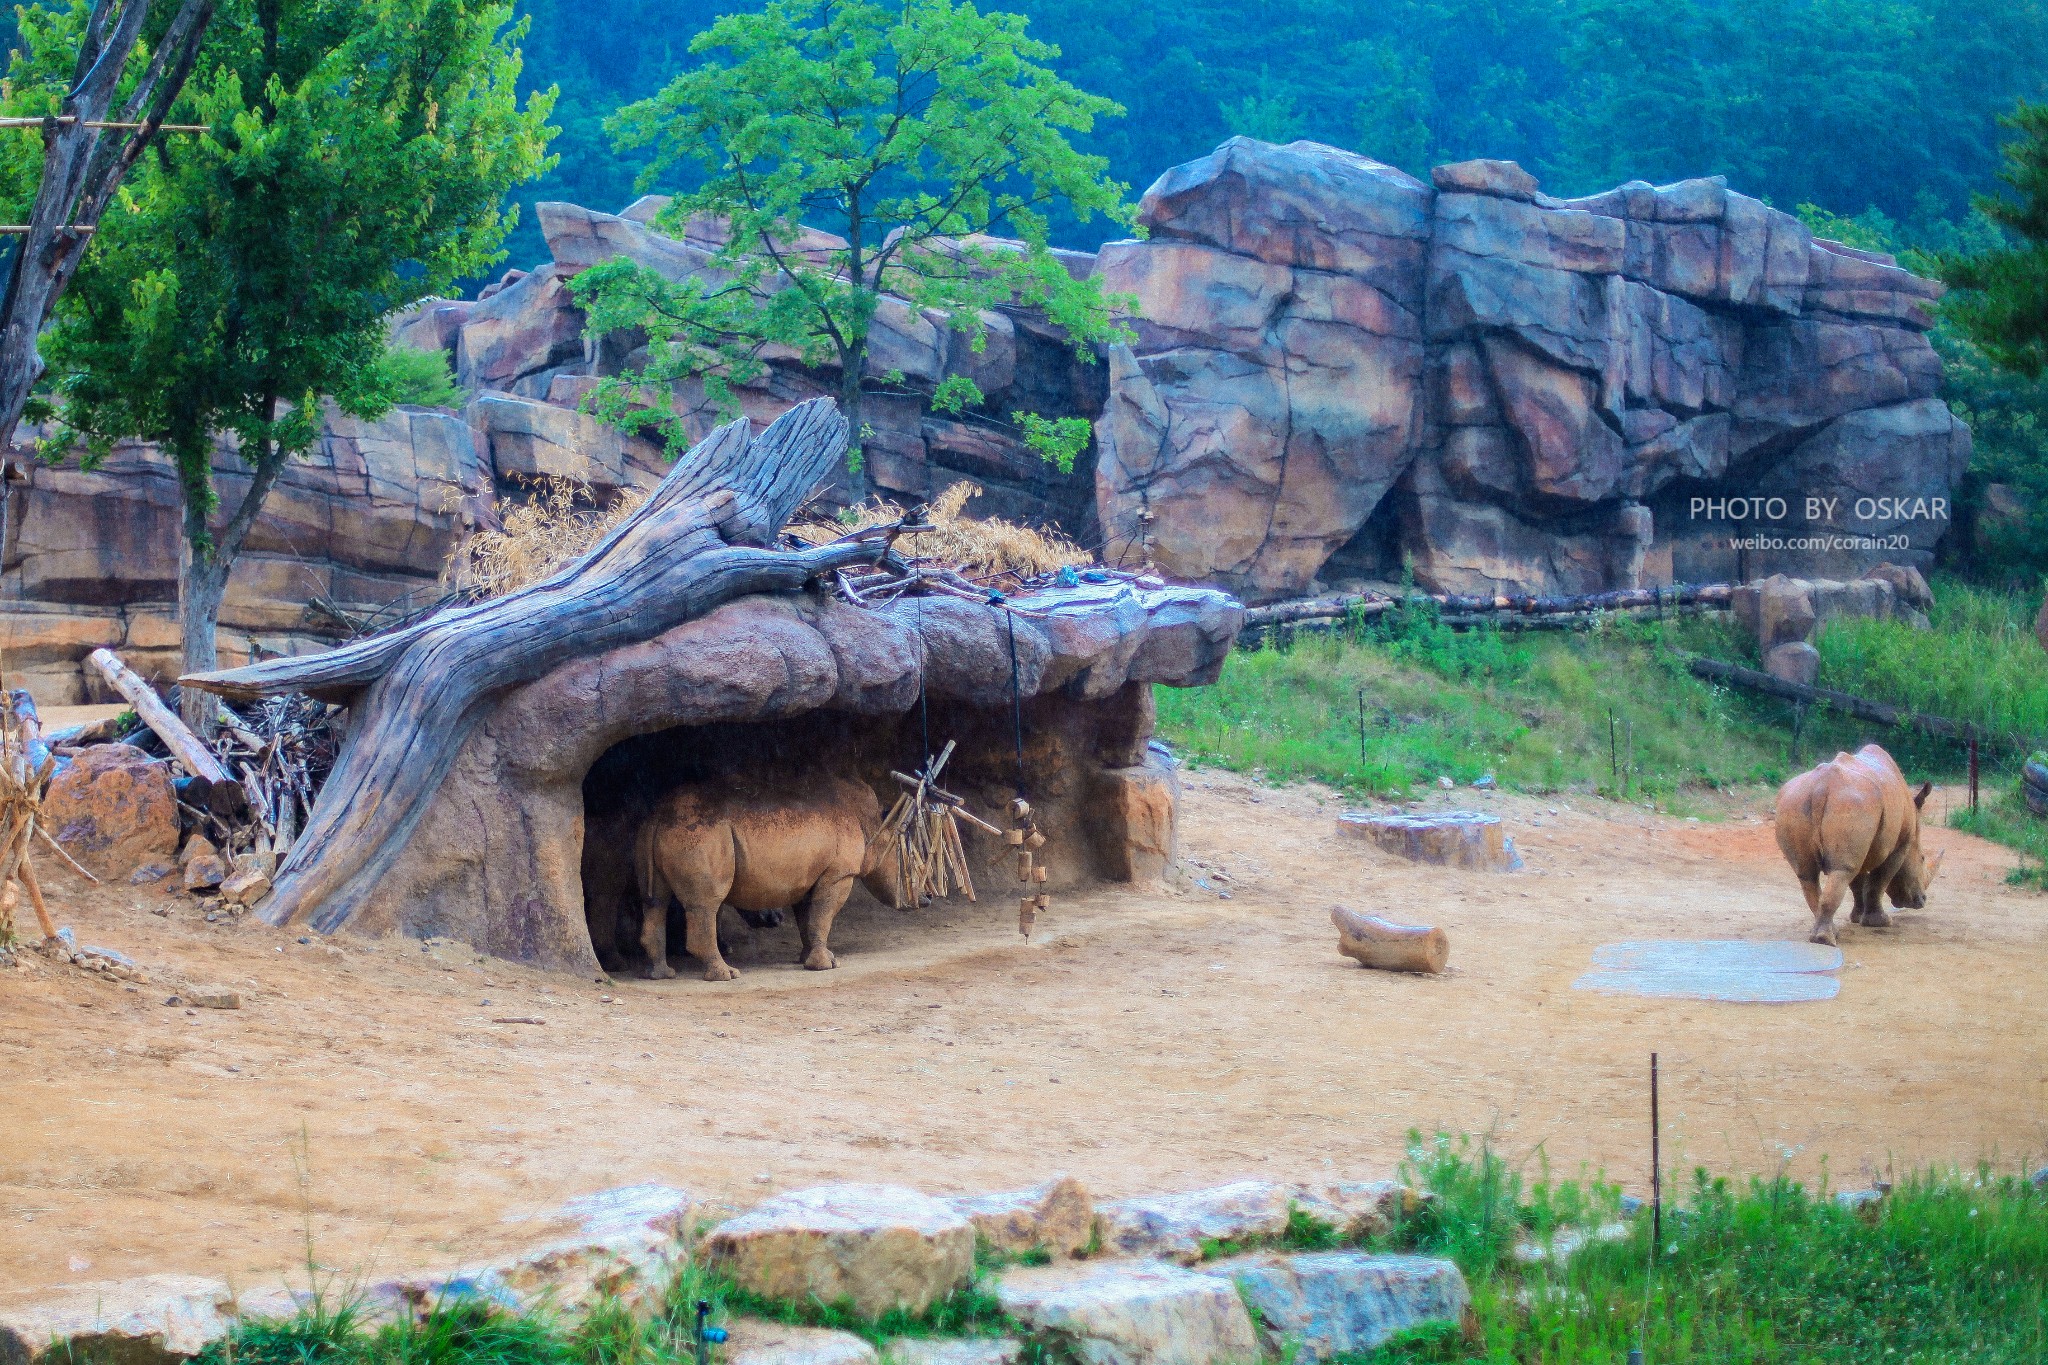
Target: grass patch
x: 1533, y: 710
x: 2003, y: 817
x: 1980, y: 665
x: 970, y: 1312
x: 1304, y: 1232
x: 1952, y: 1267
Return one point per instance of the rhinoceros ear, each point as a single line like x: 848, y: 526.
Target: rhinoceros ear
x: 1920, y: 797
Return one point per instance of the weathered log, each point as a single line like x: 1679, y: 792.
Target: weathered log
x: 689, y: 548
x: 185, y: 746
x: 1371, y: 605
x: 1876, y: 712
x: 1374, y: 942
x: 28, y: 727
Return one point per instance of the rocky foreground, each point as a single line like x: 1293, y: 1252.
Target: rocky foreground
x: 1205, y: 1278
x: 1336, y: 369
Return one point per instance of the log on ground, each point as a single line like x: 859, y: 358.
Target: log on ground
x: 1374, y: 942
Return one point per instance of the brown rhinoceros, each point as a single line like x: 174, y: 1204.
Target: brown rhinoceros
x: 711, y: 846
x: 1852, y: 824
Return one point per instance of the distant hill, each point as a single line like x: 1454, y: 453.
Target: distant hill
x: 1843, y: 103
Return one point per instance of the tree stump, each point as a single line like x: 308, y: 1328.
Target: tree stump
x: 1452, y: 838
x: 1374, y: 942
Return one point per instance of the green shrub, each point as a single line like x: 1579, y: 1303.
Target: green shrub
x: 420, y: 378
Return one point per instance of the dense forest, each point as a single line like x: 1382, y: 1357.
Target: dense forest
x: 1848, y: 104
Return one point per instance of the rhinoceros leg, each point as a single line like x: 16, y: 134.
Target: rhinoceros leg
x: 654, y: 935
x: 814, y: 921
x: 1826, y: 900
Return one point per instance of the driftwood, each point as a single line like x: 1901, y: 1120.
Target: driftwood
x: 1876, y: 712
x: 417, y: 693
x: 25, y: 767
x: 1370, y: 605
x: 185, y: 746
x: 1374, y: 942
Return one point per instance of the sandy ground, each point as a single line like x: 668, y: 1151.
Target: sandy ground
x: 364, y: 1102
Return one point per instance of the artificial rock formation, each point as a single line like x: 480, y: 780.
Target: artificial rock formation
x: 499, y: 755
x: 1339, y: 367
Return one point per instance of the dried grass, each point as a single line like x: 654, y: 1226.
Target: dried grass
x: 538, y: 538
x: 977, y: 546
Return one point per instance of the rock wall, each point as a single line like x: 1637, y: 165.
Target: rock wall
x: 363, y: 523
x: 1340, y: 368
x: 1337, y: 370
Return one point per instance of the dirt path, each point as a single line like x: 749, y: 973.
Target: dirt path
x: 364, y: 1096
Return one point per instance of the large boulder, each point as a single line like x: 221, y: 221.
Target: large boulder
x: 153, y: 1320
x: 531, y: 326
x: 1341, y: 1303
x: 1057, y: 1217
x: 1175, y: 1226
x: 1133, y: 1313
x: 753, y: 1341
x: 877, y: 1247
x: 113, y: 809
x: 1588, y: 369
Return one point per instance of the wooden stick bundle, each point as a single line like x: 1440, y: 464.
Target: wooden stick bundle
x: 930, y: 859
x: 25, y: 767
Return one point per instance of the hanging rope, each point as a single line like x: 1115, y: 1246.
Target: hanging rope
x: 995, y: 600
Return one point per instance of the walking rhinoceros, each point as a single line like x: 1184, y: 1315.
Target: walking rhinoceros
x: 1852, y: 824
x: 758, y: 851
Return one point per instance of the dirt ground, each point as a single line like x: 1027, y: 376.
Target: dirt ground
x: 368, y: 1101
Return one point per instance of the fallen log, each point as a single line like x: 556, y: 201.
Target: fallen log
x: 1876, y: 712
x: 704, y: 538
x: 1372, y: 605
x: 185, y: 746
x: 1374, y: 942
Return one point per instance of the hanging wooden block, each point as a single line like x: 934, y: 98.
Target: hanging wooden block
x: 1013, y: 836
x: 1020, y: 809
x: 1034, y: 840
x: 1023, y: 867
x: 1042, y: 901
x: 1037, y: 874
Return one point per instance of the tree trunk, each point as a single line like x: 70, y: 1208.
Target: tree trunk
x: 697, y: 543
x: 202, y: 583
x: 203, y: 570
x: 858, y: 484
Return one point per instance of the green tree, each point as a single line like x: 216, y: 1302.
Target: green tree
x: 2005, y: 306
x: 903, y: 131
x: 358, y: 161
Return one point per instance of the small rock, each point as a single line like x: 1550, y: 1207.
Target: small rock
x: 953, y: 1351
x: 155, y: 870
x: 2040, y: 1179
x: 1058, y: 1215
x: 879, y: 1246
x: 1857, y: 1200
x: 1446, y: 783
x: 246, y: 887
x: 1176, y: 1225
x: 1631, y: 1205
x: 1133, y: 1313
x: 1342, y: 1302
x: 754, y: 1342
x: 206, y: 871
x: 1485, y: 782
x: 214, y: 1000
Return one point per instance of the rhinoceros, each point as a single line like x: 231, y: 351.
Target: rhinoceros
x: 758, y: 851
x: 1853, y: 825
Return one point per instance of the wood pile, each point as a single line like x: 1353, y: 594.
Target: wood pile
x: 249, y: 792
